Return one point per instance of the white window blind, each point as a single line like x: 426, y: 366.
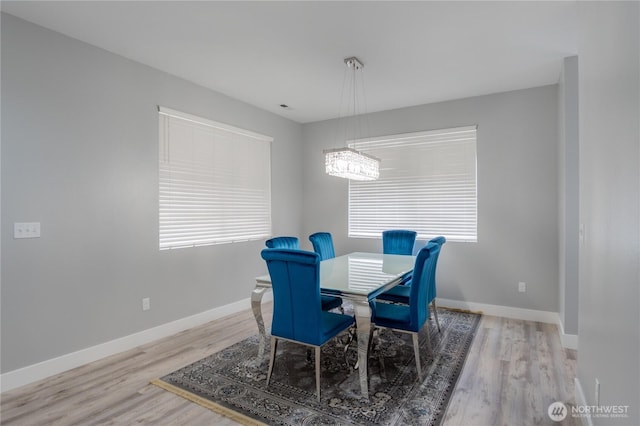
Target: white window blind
x: 214, y: 182
x: 427, y: 184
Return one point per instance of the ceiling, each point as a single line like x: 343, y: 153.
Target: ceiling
x: 270, y: 53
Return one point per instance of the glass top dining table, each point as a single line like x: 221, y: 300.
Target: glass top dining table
x: 358, y: 277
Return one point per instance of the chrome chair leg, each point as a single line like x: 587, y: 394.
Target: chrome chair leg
x: 352, y: 333
x: 274, y: 344
x: 318, y: 372
x: 416, y: 353
x: 435, y: 313
x: 372, y: 333
x: 374, y: 338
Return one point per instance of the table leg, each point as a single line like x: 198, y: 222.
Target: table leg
x: 363, y: 322
x: 256, y: 306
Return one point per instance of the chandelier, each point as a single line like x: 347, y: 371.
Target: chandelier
x: 351, y: 164
x: 347, y: 162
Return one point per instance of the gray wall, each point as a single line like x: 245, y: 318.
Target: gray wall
x: 609, y: 322
x: 80, y: 156
x: 568, y: 192
x: 517, y: 195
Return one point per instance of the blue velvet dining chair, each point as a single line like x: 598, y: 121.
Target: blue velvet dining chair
x: 412, y: 317
x: 400, y: 294
x: 283, y: 242
x: 431, y: 295
x: 328, y: 302
x: 398, y: 241
x: 323, y: 245
x: 297, y: 314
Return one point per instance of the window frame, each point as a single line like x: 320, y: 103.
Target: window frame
x: 371, y: 204
x: 220, y: 173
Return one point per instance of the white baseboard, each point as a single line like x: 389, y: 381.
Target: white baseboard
x: 581, y: 400
x: 569, y: 341
x: 32, y: 373
x: 501, y: 311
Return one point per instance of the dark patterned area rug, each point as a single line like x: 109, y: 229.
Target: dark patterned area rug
x: 232, y: 381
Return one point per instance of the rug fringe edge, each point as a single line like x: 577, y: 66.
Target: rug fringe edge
x: 464, y: 311
x: 227, y: 412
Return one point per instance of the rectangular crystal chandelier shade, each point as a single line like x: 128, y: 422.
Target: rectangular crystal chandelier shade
x: 351, y: 164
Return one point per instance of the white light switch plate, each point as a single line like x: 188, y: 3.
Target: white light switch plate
x: 26, y: 230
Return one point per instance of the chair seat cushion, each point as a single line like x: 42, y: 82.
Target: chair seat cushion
x: 332, y: 324
x: 392, y: 316
x: 330, y: 302
x: 397, y: 294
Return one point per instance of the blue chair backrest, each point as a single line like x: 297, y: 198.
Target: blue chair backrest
x: 295, y: 281
x: 438, y: 240
x: 398, y: 241
x: 323, y: 245
x: 432, y: 285
x: 283, y: 242
x: 422, y: 277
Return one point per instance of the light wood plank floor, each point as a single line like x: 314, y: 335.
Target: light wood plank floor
x: 515, y: 369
